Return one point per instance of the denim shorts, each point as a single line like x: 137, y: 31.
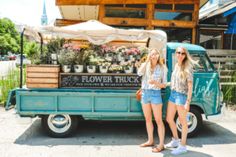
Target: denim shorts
x: 150, y: 96
x: 177, y: 98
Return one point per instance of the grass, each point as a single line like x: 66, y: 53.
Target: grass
x: 229, y: 91
x: 9, y: 82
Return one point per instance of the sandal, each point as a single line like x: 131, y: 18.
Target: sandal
x: 158, y: 149
x: 146, y: 144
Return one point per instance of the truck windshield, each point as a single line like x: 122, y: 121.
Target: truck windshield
x: 204, y: 63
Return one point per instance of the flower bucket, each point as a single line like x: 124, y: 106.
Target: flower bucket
x: 66, y: 68
x: 78, y: 68
x: 129, y: 69
x: 91, y: 68
x: 103, y: 69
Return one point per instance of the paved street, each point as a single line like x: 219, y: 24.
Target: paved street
x: 109, y: 139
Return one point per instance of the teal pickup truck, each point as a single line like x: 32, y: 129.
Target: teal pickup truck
x: 61, y: 109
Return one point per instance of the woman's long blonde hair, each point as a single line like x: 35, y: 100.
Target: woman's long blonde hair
x: 159, y: 61
x: 187, y: 64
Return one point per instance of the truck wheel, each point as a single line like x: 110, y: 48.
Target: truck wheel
x: 194, y: 122
x: 59, y: 125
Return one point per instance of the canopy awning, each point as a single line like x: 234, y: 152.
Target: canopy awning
x: 99, y: 33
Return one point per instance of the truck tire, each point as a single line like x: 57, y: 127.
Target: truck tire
x: 194, y: 122
x: 59, y: 125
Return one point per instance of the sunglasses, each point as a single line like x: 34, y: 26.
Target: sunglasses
x: 182, y: 53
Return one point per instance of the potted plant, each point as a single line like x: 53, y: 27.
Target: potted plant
x: 104, y: 66
x: 115, y: 68
x: 91, y: 67
x: 78, y: 61
x: 120, y: 53
x: 66, y: 59
x: 108, y: 52
x: 54, y: 46
x: 133, y: 53
x: 127, y: 67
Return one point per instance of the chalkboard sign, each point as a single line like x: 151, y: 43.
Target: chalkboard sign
x: 98, y: 80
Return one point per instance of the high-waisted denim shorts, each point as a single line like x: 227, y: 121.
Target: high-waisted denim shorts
x: 177, y: 98
x: 150, y: 96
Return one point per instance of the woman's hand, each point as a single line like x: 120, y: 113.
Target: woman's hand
x: 152, y: 82
x: 148, y: 57
x: 156, y: 83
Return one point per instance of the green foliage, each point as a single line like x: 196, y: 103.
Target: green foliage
x: 88, y: 54
x: 66, y: 57
x: 230, y: 91
x: 55, y: 45
x: 9, y: 37
x: 11, y: 81
x: 32, y: 51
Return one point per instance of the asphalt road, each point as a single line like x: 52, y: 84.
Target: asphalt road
x: 109, y: 139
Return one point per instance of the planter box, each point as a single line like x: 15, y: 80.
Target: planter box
x: 42, y: 76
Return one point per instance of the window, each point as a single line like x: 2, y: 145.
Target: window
x: 189, y: 7
x: 178, y: 34
x: 211, y: 39
x: 180, y: 16
x: 163, y: 6
x: 126, y: 10
x: 203, y: 63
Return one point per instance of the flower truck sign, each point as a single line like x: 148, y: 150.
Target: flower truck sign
x: 129, y: 81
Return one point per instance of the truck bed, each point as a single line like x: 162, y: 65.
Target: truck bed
x: 93, y: 104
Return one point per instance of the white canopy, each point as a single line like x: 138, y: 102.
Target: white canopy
x: 99, y: 33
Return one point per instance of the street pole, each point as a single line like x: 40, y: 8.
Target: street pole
x: 21, y: 56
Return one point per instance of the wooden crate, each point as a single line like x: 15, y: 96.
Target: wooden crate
x: 42, y: 76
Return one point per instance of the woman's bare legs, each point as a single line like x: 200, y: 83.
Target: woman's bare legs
x: 157, y: 112
x: 182, y: 113
x: 171, y: 111
x: 147, y: 111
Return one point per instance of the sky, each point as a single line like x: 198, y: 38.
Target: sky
x: 28, y: 12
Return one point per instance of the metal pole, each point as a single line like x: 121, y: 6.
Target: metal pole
x: 21, y: 56
x: 41, y: 44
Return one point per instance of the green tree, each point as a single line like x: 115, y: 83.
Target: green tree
x: 9, y: 37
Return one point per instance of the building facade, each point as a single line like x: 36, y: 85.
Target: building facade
x: 217, y: 24
x: 179, y: 18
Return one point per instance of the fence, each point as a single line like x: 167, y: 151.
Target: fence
x: 225, y: 62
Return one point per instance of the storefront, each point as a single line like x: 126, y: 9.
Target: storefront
x: 179, y: 18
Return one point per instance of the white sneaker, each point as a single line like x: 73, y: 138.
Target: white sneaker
x: 173, y: 143
x: 179, y: 150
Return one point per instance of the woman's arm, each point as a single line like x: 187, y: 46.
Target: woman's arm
x: 189, y: 95
x: 190, y: 89
x: 163, y: 83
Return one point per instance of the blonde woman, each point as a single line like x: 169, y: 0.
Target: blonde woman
x: 153, y: 74
x: 180, y: 98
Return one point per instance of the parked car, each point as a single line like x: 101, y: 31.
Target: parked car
x: 12, y: 57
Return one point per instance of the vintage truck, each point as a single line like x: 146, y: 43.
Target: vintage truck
x: 61, y: 108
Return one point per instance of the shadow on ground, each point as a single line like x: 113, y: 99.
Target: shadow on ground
x: 167, y: 153
x: 100, y: 133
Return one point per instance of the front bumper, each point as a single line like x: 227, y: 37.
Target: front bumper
x: 219, y: 115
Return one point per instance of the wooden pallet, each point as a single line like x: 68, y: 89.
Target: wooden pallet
x: 42, y: 76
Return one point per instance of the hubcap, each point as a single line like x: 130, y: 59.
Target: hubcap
x: 191, y: 121
x: 59, y: 123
